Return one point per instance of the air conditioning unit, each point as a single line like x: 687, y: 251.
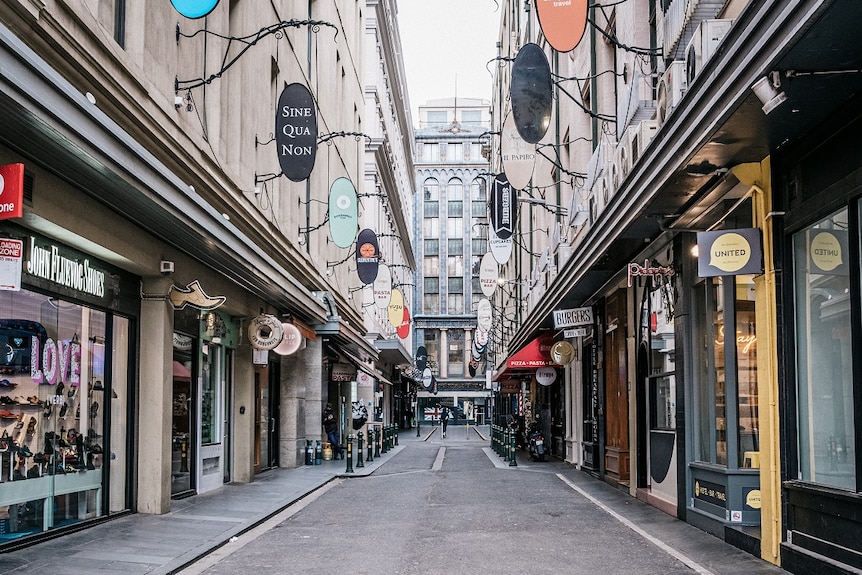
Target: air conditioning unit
x: 599, y: 162
x: 704, y: 43
x: 670, y: 89
x: 623, y: 156
x: 640, y: 138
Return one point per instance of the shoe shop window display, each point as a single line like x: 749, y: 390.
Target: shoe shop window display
x: 51, y: 371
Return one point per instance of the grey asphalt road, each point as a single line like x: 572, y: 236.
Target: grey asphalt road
x: 447, y: 506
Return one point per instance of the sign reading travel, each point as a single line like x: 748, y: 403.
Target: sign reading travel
x: 194, y: 8
x: 367, y: 257
x: 383, y: 287
x: 488, y: 274
x: 343, y: 212
x: 729, y: 252
x: 518, y: 155
x: 531, y: 92
x: 828, y: 252
x: 563, y: 22
x: 504, y: 207
x: 11, y: 191
x: 296, y: 132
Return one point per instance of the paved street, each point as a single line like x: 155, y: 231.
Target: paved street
x: 453, y: 506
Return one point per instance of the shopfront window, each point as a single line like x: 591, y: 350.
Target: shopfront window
x: 824, y: 353
x: 64, y: 370
x: 211, y: 393
x: 726, y: 378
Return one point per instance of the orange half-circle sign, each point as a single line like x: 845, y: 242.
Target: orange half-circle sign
x: 563, y: 22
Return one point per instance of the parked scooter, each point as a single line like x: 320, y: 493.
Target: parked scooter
x: 536, y: 442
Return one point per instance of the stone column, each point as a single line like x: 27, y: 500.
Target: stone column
x: 301, y: 398
x: 243, y: 414
x: 156, y: 389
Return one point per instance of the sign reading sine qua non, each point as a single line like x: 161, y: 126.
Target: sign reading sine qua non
x: 296, y: 132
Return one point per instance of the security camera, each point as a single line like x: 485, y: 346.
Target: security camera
x: 166, y: 267
x: 178, y: 102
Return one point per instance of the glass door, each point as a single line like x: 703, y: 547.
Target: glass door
x: 182, y: 422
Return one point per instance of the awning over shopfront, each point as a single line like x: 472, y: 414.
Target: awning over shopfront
x: 526, y: 360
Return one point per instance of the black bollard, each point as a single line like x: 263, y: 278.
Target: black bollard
x: 349, y: 454
x: 359, y: 462
x: 376, y: 441
x: 512, y: 461
x: 370, y: 444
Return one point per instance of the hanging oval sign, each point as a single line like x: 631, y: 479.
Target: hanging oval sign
x: 194, y: 8
x: 296, y: 132
x: 563, y: 23
x: 421, y: 357
x: 367, y: 257
x: 531, y: 92
x: 265, y: 332
x: 382, y: 287
x: 501, y: 249
x: 472, y: 367
x: 481, y: 338
x: 343, y: 212
x: 562, y: 353
x: 396, y: 308
x: 403, y: 330
x: 518, y: 155
x: 427, y: 378
x: 546, y: 375
x: 503, y: 206
x: 290, y: 342
x: 488, y: 274
x: 484, y: 314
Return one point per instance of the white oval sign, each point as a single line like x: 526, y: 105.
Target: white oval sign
x: 481, y: 337
x: 488, y: 274
x: 546, y: 375
x: 518, y: 155
x: 383, y: 287
x: 290, y: 342
x: 265, y: 332
x: 484, y: 314
x: 427, y: 377
x: 500, y: 248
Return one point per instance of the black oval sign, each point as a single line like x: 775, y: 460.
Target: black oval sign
x: 531, y: 93
x: 296, y: 132
x: 504, y: 207
x: 367, y: 256
x: 421, y: 358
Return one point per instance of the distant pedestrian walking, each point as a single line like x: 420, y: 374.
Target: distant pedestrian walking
x: 330, y: 425
x: 444, y: 419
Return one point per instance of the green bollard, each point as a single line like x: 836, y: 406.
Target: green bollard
x: 359, y: 438
x: 376, y: 441
x: 349, y: 454
x: 395, y: 433
x: 385, y: 446
x: 512, y: 461
x: 309, y: 453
